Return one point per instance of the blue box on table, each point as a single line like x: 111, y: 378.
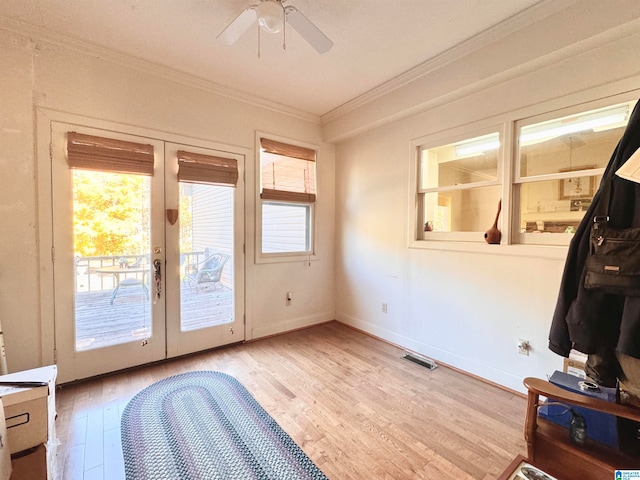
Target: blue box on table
x: 601, y: 427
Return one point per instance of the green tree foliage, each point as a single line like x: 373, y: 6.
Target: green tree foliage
x: 111, y: 213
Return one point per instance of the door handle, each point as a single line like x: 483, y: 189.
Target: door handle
x: 157, y: 276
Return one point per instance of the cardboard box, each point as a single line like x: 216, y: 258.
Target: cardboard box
x: 31, y: 466
x: 29, y: 412
x: 27, y: 423
x: 5, y: 457
x: 574, y: 367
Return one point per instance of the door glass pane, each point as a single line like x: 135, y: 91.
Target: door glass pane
x: 111, y: 237
x: 206, y: 255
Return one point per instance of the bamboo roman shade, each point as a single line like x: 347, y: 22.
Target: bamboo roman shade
x: 288, y: 172
x: 90, y: 152
x: 209, y: 169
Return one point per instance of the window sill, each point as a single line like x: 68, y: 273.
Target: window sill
x: 553, y: 252
x: 285, y: 257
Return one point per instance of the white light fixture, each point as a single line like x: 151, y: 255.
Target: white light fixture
x: 478, y: 145
x: 270, y: 15
x: 597, y: 121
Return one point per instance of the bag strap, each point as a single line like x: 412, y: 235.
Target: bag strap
x: 602, y: 209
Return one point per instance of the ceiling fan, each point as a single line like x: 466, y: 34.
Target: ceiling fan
x: 271, y: 16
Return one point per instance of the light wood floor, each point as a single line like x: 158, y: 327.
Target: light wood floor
x: 356, y: 408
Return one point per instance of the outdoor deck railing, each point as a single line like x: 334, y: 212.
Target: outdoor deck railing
x: 88, y: 278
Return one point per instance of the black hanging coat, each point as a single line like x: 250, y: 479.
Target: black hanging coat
x: 587, y: 319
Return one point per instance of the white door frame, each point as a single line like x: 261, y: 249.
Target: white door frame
x: 45, y: 119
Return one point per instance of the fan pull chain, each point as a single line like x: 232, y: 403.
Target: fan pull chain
x: 258, y: 41
x: 284, y: 31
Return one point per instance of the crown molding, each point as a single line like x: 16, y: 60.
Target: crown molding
x: 41, y: 35
x: 517, y: 22
x: 343, y: 130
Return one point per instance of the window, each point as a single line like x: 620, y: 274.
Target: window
x: 285, y: 227
x: 458, y: 188
x: 288, y: 196
x: 544, y: 169
x: 558, y: 168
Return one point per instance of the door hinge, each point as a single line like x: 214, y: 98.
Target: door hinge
x: 50, y: 150
x: 53, y: 255
x: 55, y: 356
x: 244, y: 248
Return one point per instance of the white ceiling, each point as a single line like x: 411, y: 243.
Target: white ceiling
x: 374, y: 40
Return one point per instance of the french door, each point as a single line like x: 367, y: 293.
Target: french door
x: 146, y: 266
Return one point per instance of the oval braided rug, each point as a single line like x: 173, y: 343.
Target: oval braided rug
x: 206, y: 425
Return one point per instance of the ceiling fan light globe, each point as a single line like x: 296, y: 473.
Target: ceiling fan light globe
x: 270, y: 16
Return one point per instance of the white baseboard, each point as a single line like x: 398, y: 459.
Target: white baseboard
x: 287, y: 325
x: 439, y: 355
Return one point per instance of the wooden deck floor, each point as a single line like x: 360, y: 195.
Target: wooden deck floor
x: 100, y: 323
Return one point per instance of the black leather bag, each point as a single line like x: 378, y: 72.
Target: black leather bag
x: 613, y: 263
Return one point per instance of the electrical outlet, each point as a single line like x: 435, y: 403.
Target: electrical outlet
x: 523, y: 347
x: 289, y: 300
x: 384, y: 308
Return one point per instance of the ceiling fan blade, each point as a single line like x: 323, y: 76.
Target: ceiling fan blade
x: 238, y: 26
x: 308, y: 30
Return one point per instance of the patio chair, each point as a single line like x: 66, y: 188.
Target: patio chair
x: 124, y: 262
x: 208, y: 272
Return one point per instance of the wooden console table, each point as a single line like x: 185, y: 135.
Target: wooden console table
x: 549, y: 446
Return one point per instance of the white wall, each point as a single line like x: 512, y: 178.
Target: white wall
x: 37, y: 75
x: 19, y: 299
x: 463, y: 305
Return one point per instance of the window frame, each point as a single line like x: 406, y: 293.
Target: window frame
x: 551, y: 246
x: 308, y: 226
x: 561, y: 239
x: 434, y: 141
x: 282, y: 257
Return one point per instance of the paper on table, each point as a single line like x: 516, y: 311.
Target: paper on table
x: 630, y: 170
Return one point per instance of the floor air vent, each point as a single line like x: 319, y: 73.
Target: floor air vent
x: 420, y: 360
